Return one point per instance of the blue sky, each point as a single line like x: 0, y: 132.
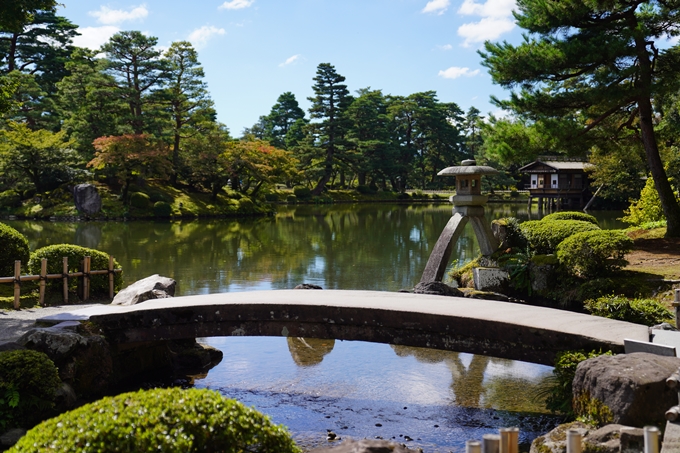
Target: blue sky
x: 254, y: 50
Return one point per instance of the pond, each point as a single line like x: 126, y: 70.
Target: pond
x: 437, y: 399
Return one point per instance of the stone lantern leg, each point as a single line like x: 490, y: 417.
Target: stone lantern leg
x: 468, y: 205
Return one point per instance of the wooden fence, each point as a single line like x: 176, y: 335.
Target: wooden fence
x: 84, y: 273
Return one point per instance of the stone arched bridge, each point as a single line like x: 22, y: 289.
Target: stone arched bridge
x: 499, y: 329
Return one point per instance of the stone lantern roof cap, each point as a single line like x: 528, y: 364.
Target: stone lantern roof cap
x: 468, y: 167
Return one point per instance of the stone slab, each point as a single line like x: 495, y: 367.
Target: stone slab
x: 490, y: 278
x: 671, y: 438
x: 667, y: 337
x: 633, y: 346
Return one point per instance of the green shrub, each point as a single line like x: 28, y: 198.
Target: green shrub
x: 639, y: 311
x: 140, y: 200
x: 13, y: 246
x: 514, y: 237
x: 514, y: 193
x: 571, y: 215
x: 419, y: 195
x: 28, y: 383
x: 302, y: 193
x: 646, y: 209
x: 544, y: 235
x: 594, y: 253
x: 271, y: 197
x: 162, y: 209
x: 99, y: 284
x: 10, y: 199
x: 560, y: 395
x: 363, y: 189
x: 157, y: 196
x: 167, y: 420
x: 403, y: 196
x: 246, y: 206
x: 291, y: 199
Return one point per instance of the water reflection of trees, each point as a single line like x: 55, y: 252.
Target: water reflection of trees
x: 339, y: 247
x: 309, y: 351
x: 468, y: 384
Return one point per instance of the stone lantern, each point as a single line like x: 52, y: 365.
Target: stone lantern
x: 468, y: 205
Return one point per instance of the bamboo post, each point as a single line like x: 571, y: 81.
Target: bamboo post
x: 651, y: 436
x: 86, y: 278
x: 111, y: 275
x: 17, y: 284
x: 573, y: 441
x: 43, y: 280
x: 491, y: 443
x: 509, y: 440
x: 473, y: 446
x: 65, y: 275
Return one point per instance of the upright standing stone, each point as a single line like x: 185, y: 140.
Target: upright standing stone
x: 87, y: 199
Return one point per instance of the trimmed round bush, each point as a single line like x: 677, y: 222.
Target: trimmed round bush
x: 13, y: 246
x: 291, y: 199
x: 246, y: 206
x: 302, y: 193
x: 162, y: 209
x: 140, y: 200
x: 10, y: 199
x: 168, y: 420
x: 594, y: 253
x: 648, y: 312
x: 571, y: 215
x: 156, y: 196
x: 271, y: 197
x: 28, y: 385
x: 99, y: 284
x: 544, y: 235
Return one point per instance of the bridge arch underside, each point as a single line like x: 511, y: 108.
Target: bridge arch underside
x: 399, y: 326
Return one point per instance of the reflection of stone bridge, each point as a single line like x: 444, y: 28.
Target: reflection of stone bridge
x: 500, y: 329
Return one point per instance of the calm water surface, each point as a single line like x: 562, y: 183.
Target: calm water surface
x: 438, y: 399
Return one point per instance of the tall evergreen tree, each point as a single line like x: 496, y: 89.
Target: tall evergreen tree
x: 599, y: 59
x: 281, y: 118
x: 89, y: 103
x: 328, y: 105
x: 190, y: 107
x: 39, y: 47
x: 138, y: 70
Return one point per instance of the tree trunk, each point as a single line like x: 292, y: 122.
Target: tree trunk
x: 671, y: 208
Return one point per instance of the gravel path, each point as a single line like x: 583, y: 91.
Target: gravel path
x: 14, y: 323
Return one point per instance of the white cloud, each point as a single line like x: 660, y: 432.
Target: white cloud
x: 490, y: 8
x: 200, y: 37
x: 236, y: 4
x: 109, y: 16
x: 94, y: 37
x: 454, y: 72
x: 489, y: 28
x: 496, y: 19
x: 445, y: 47
x: 436, y: 6
x: 290, y: 60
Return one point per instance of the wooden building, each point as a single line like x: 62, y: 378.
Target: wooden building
x: 557, y: 181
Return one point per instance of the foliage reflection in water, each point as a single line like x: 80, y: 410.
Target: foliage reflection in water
x: 439, y: 399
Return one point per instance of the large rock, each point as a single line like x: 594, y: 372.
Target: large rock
x: 153, y: 287
x: 631, y: 386
x: 87, y: 199
x: 437, y: 288
x: 365, y: 446
x: 83, y: 358
x: 608, y: 439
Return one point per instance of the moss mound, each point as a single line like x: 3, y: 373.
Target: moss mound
x: 167, y: 420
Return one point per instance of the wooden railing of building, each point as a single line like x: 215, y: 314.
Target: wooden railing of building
x: 84, y: 273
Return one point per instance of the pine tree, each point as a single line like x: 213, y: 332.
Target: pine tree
x: 328, y: 105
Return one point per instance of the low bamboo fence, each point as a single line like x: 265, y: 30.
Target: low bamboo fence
x: 85, y: 273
